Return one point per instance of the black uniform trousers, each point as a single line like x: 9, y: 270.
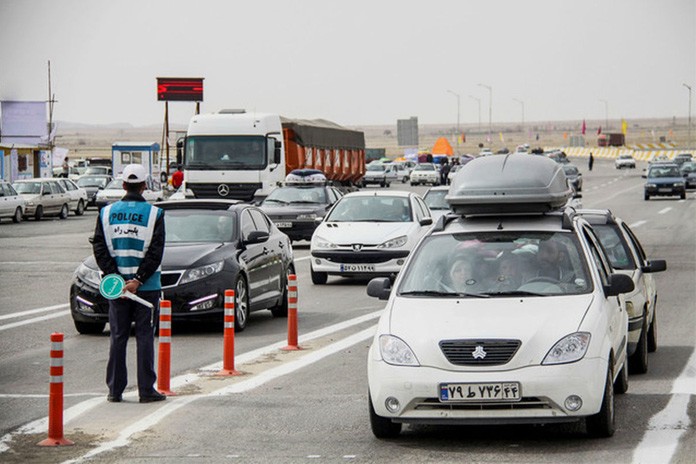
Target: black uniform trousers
x: 122, y: 312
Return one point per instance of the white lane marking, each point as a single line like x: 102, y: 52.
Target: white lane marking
x: 32, y: 311
x: 637, y: 224
x: 302, y: 258
x: 176, y: 403
x: 620, y: 192
x: 665, y: 428
x: 665, y: 210
x: 11, y: 395
x: 40, y: 425
x: 40, y: 263
x: 35, y: 319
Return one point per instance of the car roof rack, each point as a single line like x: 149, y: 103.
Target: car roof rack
x: 305, y: 177
x: 516, y: 184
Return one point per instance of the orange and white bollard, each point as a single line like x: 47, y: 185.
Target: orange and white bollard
x: 55, y: 398
x: 164, y: 358
x: 228, y: 337
x: 292, y: 314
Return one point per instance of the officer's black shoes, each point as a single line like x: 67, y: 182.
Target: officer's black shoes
x: 114, y: 399
x: 152, y: 397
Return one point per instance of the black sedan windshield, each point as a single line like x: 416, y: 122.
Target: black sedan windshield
x: 201, y: 226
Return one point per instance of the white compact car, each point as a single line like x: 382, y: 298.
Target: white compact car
x: 368, y: 233
x: 435, y: 199
x: 379, y: 174
x: 501, y: 317
x: 425, y: 173
x: 627, y: 256
x: 625, y: 160
x: 114, y: 192
x: 78, y: 196
x: 12, y: 204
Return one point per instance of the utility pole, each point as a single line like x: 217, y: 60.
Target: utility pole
x: 689, y: 137
x: 490, y: 110
x: 458, y: 111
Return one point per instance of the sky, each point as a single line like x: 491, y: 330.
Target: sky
x: 357, y: 62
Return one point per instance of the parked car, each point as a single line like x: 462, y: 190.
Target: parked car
x: 98, y: 170
x: 12, y: 204
x: 368, y: 233
x: 78, y: 196
x: 453, y: 170
x: 403, y: 170
x: 627, y: 256
x: 501, y: 314
x: 434, y: 198
x: 688, y: 171
x: 114, y: 192
x: 296, y: 206
x: 425, y: 173
x: 625, y: 160
x: 92, y: 184
x: 381, y: 174
x: 44, y: 197
x: 664, y: 179
x: 211, y: 246
x: 574, y: 176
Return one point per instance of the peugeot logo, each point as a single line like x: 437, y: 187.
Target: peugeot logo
x: 478, y: 353
x: 223, y: 190
x: 357, y: 247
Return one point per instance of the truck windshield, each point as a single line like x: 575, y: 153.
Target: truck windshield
x: 225, y: 152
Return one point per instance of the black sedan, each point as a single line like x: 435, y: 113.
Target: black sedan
x: 295, y: 208
x: 688, y: 171
x: 211, y: 246
x: 92, y: 184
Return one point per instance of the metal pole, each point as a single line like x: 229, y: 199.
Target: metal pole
x: 478, y: 100
x: 490, y: 110
x: 689, y: 136
x: 458, y: 112
x: 521, y: 103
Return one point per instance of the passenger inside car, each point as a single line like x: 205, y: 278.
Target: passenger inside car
x: 510, y: 275
x: 461, y: 276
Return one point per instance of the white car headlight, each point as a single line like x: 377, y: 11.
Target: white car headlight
x: 201, y: 272
x: 322, y: 243
x: 569, y: 349
x: 394, y: 243
x: 307, y: 216
x: 88, y: 275
x: 396, y: 352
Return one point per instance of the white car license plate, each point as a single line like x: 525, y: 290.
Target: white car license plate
x: 494, y: 391
x: 283, y: 225
x: 357, y: 268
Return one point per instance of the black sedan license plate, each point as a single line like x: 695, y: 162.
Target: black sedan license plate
x: 493, y: 391
x: 283, y: 225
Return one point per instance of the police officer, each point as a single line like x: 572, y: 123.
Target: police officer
x: 129, y: 240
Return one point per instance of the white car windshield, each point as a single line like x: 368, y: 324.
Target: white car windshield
x: 28, y: 187
x: 497, y: 264
x: 371, y: 209
x: 435, y: 199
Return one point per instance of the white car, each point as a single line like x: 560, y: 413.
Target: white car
x: 627, y: 257
x: 114, y: 192
x: 78, y: 196
x: 368, y: 233
x: 625, y: 160
x: 379, y: 174
x: 12, y: 204
x: 501, y: 317
x: 435, y: 199
x: 44, y: 197
x: 425, y: 173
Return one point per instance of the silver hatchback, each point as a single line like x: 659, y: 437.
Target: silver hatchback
x: 44, y: 197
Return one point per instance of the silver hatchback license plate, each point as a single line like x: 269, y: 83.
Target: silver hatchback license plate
x: 357, y: 268
x: 494, y: 391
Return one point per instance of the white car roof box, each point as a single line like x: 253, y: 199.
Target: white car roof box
x: 509, y: 184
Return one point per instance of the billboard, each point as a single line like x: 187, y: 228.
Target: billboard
x: 23, y: 122
x: 180, y: 89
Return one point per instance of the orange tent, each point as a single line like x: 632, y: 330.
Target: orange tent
x: 442, y: 147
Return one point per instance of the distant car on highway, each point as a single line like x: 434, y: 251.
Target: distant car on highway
x: 574, y: 176
x: 114, y: 192
x: 688, y: 171
x: 382, y: 174
x: 682, y: 158
x: 92, y: 184
x: 664, y: 179
x: 425, y: 173
x: 625, y: 160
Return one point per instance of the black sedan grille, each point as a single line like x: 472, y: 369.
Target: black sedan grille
x: 479, y: 352
x: 244, y: 192
x: 169, y: 279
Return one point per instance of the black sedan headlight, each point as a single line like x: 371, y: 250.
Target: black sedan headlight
x: 88, y: 275
x: 201, y: 272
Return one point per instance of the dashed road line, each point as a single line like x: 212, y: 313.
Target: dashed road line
x: 32, y: 311
x: 665, y: 210
x: 34, y: 319
x: 637, y: 224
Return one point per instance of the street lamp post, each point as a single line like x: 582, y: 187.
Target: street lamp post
x: 458, y: 111
x: 490, y: 109
x: 689, y: 140
x: 521, y: 103
x: 606, y: 114
x: 478, y: 100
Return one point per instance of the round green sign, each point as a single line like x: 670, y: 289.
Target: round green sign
x: 111, y: 286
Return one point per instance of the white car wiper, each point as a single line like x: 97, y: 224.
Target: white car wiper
x: 439, y: 293
x: 516, y: 293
